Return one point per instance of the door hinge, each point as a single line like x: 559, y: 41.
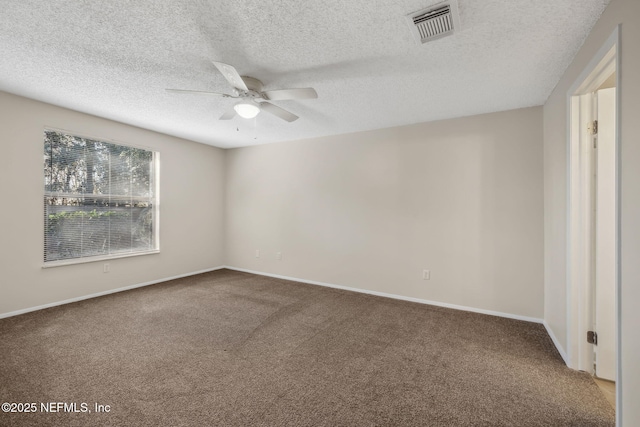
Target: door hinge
x: 592, y: 127
x: 592, y: 337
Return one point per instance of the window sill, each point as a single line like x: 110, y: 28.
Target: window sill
x: 74, y: 261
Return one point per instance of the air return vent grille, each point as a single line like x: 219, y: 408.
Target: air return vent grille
x: 435, y: 22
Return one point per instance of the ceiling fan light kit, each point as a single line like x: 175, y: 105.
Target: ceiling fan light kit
x: 249, y: 89
x: 247, y: 109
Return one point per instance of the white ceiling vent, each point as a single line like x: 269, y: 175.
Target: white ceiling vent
x: 437, y: 21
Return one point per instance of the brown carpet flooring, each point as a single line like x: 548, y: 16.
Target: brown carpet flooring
x: 234, y: 349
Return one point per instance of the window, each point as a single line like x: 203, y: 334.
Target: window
x: 99, y: 199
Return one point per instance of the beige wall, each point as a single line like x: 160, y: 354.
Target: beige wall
x: 192, y: 193
x: 371, y: 210
x: 627, y: 13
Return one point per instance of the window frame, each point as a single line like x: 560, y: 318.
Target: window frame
x: 155, y: 210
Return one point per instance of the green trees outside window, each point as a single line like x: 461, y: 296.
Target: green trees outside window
x: 99, y: 198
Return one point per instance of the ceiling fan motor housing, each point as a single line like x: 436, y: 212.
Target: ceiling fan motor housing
x: 255, y: 88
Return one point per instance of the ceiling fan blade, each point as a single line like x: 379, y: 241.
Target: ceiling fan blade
x: 231, y: 74
x: 282, y: 94
x: 200, y: 92
x: 278, y: 112
x: 229, y: 114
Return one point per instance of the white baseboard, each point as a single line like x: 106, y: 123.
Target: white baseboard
x: 563, y: 354
x: 394, y: 296
x: 311, y: 282
x: 99, y: 294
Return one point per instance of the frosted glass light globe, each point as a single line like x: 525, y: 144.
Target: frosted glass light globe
x: 247, y: 110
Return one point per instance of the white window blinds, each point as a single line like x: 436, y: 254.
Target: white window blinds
x: 99, y: 198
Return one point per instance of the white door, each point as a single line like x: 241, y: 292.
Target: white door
x: 605, y: 236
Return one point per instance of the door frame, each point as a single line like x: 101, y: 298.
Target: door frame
x: 579, y: 226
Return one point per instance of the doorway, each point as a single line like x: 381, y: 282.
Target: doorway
x: 593, y: 315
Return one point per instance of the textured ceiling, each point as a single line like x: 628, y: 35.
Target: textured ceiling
x: 115, y: 58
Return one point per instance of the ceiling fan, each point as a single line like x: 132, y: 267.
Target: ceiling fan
x: 254, y: 99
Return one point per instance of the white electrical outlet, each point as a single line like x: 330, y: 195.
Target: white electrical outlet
x: 105, y: 268
x: 279, y: 255
x: 426, y: 274
x: 257, y: 253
